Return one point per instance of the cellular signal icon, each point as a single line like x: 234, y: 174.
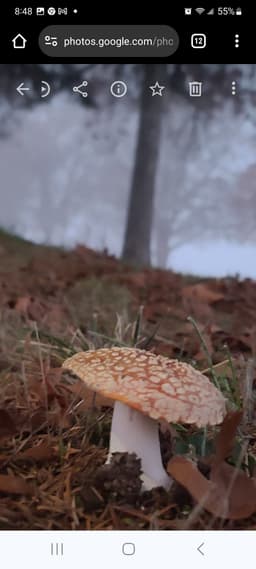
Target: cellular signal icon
x: 211, y: 12
x: 200, y: 11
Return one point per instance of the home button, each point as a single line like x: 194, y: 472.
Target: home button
x: 128, y: 548
x: 19, y: 42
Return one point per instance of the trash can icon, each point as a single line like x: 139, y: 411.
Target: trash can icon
x: 195, y: 88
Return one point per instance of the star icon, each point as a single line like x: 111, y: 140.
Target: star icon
x: 157, y: 89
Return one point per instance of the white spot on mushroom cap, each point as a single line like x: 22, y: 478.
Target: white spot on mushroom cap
x: 157, y: 386
x: 168, y: 388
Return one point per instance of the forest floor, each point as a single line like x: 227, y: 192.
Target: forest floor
x: 54, y: 432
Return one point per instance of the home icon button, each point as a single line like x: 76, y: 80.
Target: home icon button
x: 128, y: 549
x: 19, y: 42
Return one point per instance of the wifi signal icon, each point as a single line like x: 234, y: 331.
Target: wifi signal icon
x: 200, y: 11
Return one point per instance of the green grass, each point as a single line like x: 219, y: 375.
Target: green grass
x: 94, y: 304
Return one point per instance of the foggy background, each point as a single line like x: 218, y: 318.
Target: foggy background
x: 66, y: 166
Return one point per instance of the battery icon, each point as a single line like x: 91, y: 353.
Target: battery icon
x: 239, y: 12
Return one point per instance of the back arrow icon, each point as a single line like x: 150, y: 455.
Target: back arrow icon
x: 20, y: 89
x: 199, y: 548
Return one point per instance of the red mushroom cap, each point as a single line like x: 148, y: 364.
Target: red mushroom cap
x: 159, y: 387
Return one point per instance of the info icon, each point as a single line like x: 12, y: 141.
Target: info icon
x: 118, y: 89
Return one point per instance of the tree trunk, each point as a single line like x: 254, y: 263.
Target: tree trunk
x: 137, y: 239
x: 162, y: 242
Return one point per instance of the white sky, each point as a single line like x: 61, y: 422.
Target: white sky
x: 215, y: 259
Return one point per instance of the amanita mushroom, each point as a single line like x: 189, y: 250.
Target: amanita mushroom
x: 147, y: 388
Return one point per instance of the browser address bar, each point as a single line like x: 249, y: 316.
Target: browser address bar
x: 108, y: 41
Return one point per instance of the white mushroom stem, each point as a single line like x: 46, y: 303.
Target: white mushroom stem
x: 131, y: 431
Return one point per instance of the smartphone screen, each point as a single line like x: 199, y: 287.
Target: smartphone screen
x: 127, y: 275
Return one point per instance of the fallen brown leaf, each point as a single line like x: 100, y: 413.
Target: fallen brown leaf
x: 22, y: 304
x: 7, y: 425
x: 10, y: 484
x: 40, y: 453
x: 237, y: 489
x: 222, y: 368
x: 228, y: 494
x: 225, y: 440
x: 201, y: 292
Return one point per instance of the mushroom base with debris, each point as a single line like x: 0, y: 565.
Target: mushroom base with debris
x: 133, y: 432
